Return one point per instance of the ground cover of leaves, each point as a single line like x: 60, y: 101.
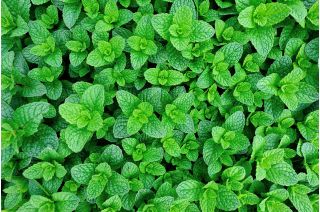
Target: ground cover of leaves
x: 159, y: 105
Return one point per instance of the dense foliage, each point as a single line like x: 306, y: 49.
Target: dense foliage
x: 160, y: 105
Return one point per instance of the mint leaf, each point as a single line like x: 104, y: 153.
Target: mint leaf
x: 190, y: 189
x: 82, y: 173
x: 262, y: 39
x: 127, y: 102
x: 226, y: 199
x: 93, y: 98
x: 282, y: 174
x: 76, y: 138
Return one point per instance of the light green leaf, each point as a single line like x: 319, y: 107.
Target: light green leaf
x: 298, y: 11
x: 117, y: 185
x: 171, y: 147
x: 71, y: 13
x: 93, y: 98
x: 262, y: 39
x: 96, y: 186
x: 155, y: 169
x: 127, y: 101
x: 282, y: 174
x: 161, y: 23
x: 276, y: 12
x: 201, y: 31
x: 38, y: 32
x: 82, y: 173
x: 138, y: 59
x: 208, y: 200
x: 299, y: 198
x: 71, y: 111
x: 39, y: 2
x: 235, y: 122
x: 65, y: 201
x: 184, y: 102
x: 154, y: 128
x: 95, y: 59
x: 190, y: 189
x: 245, y: 17
x: 232, y: 52
x: 227, y: 200
x: 76, y: 138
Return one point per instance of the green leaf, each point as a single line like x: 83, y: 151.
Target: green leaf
x: 245, y: 17
x: 144, y: 28
x: 96, y: 186
x: 155, y: 169
x: 293, y: 46
x: 76, y: 138
x: 117, y: 185
x: 35, y: 171
x: 262, y: 39
x: 153, y: 154
x: 182, y: 3
x: 164, y: 77
x: 118, y: 44
x: 113, y: 202
x: 38, y: 2
x: 282, y: 174
x: 298, y: 11
x: 54, y: 59
x: 29, y: 116
x: 38, y: 32
x: 208, y: 200
x: 190, y: 189
x: 71, y: 112
x: 127, y: 101
x: 22, y: 27
x: 112, y: 155
x: 211, y: 152
x: 95, y: 58
x: 154, y: 128
x: 54, y: 89
x: 129, y: 170
x: 33, y: 88
x: 232, y: 52
x: 311, y: 49
x: 184, y: 101
x: 138, y: 59
x: 128, y: 145
x: 76, y: 58
x: 82, y: 173
x: 175, y: 58
x: 201, y: 31
x: 19, y: 8
x: 70, y: 13
x: 171, y: 147
x: 235, y: 122
x: 269, y: 84
x: 65, y: 201
x: 205, y: 79
x: 227, y: 200
x: 261, y: 119
x: 133, y: 125
x: 120, y: 127
x: 93, y: 98
x: 299, y: 198
x: 276, y: 12
x: 161, y: 24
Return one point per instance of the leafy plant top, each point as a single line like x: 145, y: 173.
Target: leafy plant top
x: 160, y: 105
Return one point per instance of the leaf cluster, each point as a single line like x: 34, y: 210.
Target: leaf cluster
x: 160, y: 105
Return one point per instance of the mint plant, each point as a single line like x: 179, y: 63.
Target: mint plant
x: 160, y: 105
